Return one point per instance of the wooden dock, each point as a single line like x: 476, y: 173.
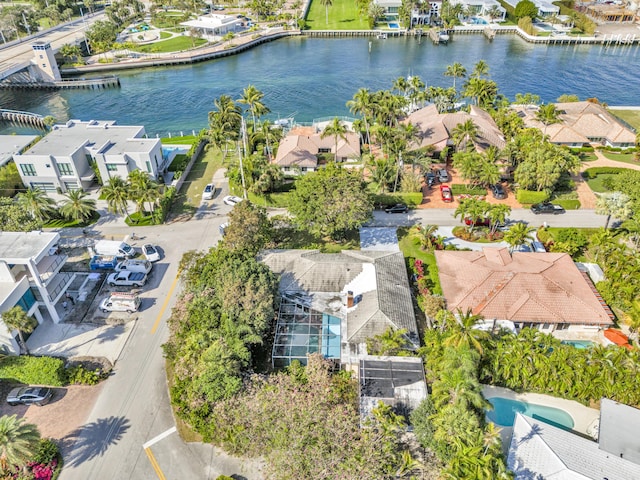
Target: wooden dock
x: 23, y: 118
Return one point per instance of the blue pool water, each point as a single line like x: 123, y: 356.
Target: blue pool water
x: 478, y: 21
x: 504, y: 413
x: 579, y: 344
x: 168, y: 150
x: 393, y: 25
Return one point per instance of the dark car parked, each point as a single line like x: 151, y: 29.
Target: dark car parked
x: 430, y: 178
x: 29, y: 396
x: 547, y: 207
x: 443, y: 176
x: 398, y: 208
x: 498, y: 191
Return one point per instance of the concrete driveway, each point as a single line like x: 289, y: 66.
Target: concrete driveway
x: 379, y: 238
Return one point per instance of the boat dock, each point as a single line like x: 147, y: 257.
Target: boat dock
x: 110, y: 81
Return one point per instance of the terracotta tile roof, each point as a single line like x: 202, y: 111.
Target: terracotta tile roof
x: 301, y: 149
x: 521, y: 287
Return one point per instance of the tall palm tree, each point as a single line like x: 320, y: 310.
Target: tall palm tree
x: 252, y: 97
x: 547, y: 115
x: 481, y: 69
x: 517, y: 235
x: 455, y: 70
x: 614, y: 204
x: 116, y: 193
x: 361, y: 104
x: 463, y: 333
x: 77, y: 206
x: 463, y: 133
x: 338, y: 130
x: 17, y: 319
x: 18, y: 442
x: 497, y: 214
x: 226, y: 117
x: 426, y: 235
x: 494, y: 12
x: 326, y: 4
x: 142, y: 189
x: 37, y: 203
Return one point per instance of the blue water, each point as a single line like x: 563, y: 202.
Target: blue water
x: 168, y: 150
x: 478, y: 21
x: 393, y: 25
x: 504, y: 413
x: 579, y: 344
x: 314, y: 78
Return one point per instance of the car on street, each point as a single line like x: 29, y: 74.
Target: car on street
x: 430, y: 178
x: 231, y: 200
x: 150, y: 252
x: 29, y: 396
x: 127, y: 279
x: 445, y: 193
x: 498, y: 191
x: 397, y: 208
x: 547, y: 207
x: 208, y: 192
x: 443, y: 176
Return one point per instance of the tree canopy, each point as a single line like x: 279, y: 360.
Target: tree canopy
x: 526, y: 8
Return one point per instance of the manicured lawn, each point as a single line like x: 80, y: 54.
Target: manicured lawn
x: 632, y: 117
x: 597, y: 185
x: 620, y: 157
x: 276, y: 200
x: 568, y: 204
x: 186, y: 140
x: 293, y: 238
x: 174, y: 44
x: 587, y: 156
x: 410, y: 248
x: 138, y: 219
x: 343, y: 15
x: 64, y: 223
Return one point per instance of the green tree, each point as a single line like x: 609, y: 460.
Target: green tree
x: 252, y: 97
x: 480, y: 69
x: 14, y: 218
x: 517, y: 235
x: 472, y: 209
x: 249, y: 228
x: 567, y: 98
x: 226, y: 118
x: 482, y: 91
x: 116, y: 193
x: 526, y: 8
x: 326, y: 4
x: 462, y: 334
x: 17, y: 319
x: 331, y: 201
x: 336, y: 129
x: 455, y: 70
x: 614, y: 204
x: 10, y: 181
x: 464, y: 133
x: 18, y: 442
x: 548, y: 115
x: 391, y: 342
x: 77, y: 206
x: 37, y: 203
x: 361, y: 105
x: 71, y: 53
x: 527, y: 99
x: 497, y: 215
x: 143, y: 190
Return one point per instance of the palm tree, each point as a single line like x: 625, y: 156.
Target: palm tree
x: 338, y: 130
x: 226, y: 117
x: 77, y: 207
x: 142, y: 189
x: 465, y: 132
x: 18, y: 442
x: 517, y: 235
x: 17, y: 319
x: 37, y: 203
x: 494, y: 12
x: 614, y: 204
x: 481, y: 69
x: 326, y: 4
x: 463, y: 333
x: 361, y: 104
x: 455, y: 70
x: 497, y: 214
x: 425, y: 235
x: 116, y: 193
x: 252, y: 97
x: 547, y: 115
x: 382, y: 171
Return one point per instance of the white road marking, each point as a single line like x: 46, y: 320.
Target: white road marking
x: 159, y: 437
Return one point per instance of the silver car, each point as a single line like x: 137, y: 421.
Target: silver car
x: 29, y: 396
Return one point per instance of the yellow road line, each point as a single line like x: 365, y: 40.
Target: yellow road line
x: 165, y: 304
x: 154, y: 464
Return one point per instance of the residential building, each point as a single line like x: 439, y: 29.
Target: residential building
x: 481, y: 8
x: 606, y: 12
x: 545, y: 8
x: 436, y: 129
x: 215, y: 25
x: 30, y: 276
x: 425, y: 12
x: 545, y: 291
x: 11, y: 145
x: 301, y: 150
x: 63, y: 158
x: 541, y: 450
x: 581, y: 124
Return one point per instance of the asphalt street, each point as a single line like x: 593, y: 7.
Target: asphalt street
x: 130, y: 433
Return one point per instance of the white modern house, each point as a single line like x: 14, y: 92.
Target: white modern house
x: 11, y: 145
x: 481, y: 8
x: 62, y: 159
x: 425, y: 12
x: 545, y: 8
x: 30, y: 277
x: 215, y: 25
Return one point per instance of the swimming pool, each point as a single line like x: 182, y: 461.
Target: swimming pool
x: 170, y: 151
x: 393, y: 25
x: 579, y: 344
x: 504, y: 413
x: 478, y: 21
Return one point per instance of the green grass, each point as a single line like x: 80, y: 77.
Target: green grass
x: 410, y: 248
x: 174, y: 44
x: 293, y: 238
x: 410, y: 199
x: 64, y: 223
x: 165, y: 35
x: 597, y: 184
x: 343, y: 15
x: 568, y: 204
x: 587, y: 156
x: 138, y: 219
x: 464, y: 189
x: 275, y: 200
x: 186, y: 140
x: 632, y: 117
x: 620, y: 157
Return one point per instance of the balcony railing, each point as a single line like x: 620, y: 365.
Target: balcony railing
x: 49, y: 266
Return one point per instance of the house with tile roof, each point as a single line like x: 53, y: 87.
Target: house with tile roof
x: 581, y: 124
x: 541, y: 450
x: 300, y: 150
x: 436, y: 129
x: 546, y: 291
x: 352, y: 295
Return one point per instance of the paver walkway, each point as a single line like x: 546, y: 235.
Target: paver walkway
x: 586, y: 196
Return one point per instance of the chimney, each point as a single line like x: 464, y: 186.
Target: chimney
x: 349, y: 299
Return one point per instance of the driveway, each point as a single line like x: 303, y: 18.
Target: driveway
x: 379, y: 239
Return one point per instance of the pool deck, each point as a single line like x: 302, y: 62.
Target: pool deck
x: 583, y: 417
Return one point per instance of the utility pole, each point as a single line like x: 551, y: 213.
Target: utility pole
x: 26, y: 24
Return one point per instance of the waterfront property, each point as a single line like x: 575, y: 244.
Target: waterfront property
x: 11, y: 145
x: 545, y: 291
x: 214, y: 25
x: 435, y: 129
x: 30, y: 277
x: 545, y: 8
x: 63, y: 158
x: 481, y: 8
x: 541, y: 450
x: 303, y: 149
x: 581, y: 124
x: 422, y: 13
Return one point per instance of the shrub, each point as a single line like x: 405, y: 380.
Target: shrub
x: 593, y: 172
x: 464, y: 189
x: 33, y: 370
x: 47, y: 451
x: 410, y: 198
x: 528, y: 197
x: 179, y: 163
x: 78, y: 375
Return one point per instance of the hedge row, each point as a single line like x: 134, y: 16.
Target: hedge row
x: 528, y: 197
x: 593, y: 172
x: 463, y: 189
x: 411, y: 199
x: 33, y: 370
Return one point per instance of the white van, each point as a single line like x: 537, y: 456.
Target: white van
x: 142, y: 266
x: 120, y: 302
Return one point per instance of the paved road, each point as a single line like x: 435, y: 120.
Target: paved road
x: 133, y: 409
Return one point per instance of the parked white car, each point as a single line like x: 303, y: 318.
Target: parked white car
x: 150, y: 252
x: 143, y: 266
x: 120, y: 302
x: 127, y: 279
x: 209, y: 191
x: 231, y: 200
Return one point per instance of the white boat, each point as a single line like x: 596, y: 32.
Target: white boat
x: 382, y: 36
x: 443, y: 36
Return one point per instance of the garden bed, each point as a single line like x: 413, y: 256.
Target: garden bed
x: 478, y: 235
